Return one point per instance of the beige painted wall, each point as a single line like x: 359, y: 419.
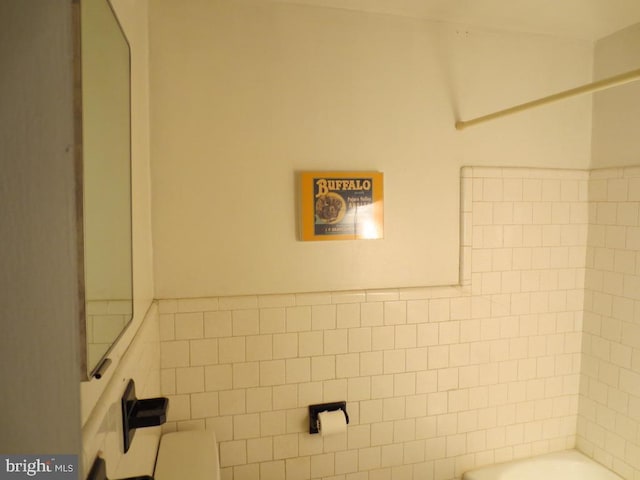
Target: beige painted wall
x: 617, y: 111
x: 39, y: 345
x: 245, y: 94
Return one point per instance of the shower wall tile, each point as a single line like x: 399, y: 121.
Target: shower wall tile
x: 437, y: 380
x: 609, y: 418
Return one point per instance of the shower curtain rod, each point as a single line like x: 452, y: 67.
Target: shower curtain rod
x: 588, y: 88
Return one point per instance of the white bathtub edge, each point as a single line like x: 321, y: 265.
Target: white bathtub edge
x: 564, y: 459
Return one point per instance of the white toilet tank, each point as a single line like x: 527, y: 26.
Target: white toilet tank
x: 191, y: 455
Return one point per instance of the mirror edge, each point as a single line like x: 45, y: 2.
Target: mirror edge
x: 87, y: 372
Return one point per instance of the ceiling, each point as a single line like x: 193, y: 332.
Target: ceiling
x: 583, y: 19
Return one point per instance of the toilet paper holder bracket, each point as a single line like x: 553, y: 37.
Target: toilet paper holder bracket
x: 314, y: 410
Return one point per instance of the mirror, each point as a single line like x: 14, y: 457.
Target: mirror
x: 106, y: 179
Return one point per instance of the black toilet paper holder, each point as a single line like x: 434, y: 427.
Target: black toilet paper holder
x: 140, y: 413
x: 314, y: 410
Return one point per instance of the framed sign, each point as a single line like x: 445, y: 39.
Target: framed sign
x: 341, y: 205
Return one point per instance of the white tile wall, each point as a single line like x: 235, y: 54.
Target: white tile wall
x: 609, y: 413
x: 437, y: 380
x: 102, y: 430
